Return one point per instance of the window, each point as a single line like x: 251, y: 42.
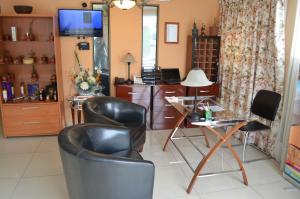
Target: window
x: 101, y: 50
x: 150, y: 35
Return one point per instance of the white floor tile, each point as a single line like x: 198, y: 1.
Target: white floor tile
x: 277, y: 190
x: 6, y: 187
x: 262, y: 172
x: 44, y: 164
x: 51, y: 187
x: 13, y: 166
x: 30, y: 168
x: 156, y: 155
x: 244, y: 193
x: 48, y: 144
x: 19, y: 145
x: 170, y: 182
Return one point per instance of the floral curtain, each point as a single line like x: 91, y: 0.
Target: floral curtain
x: 252, y: 56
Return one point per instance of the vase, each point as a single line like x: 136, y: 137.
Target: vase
x: 85, y: 92
x: 93, y: 91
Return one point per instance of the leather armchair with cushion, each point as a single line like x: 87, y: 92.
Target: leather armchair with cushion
x: 115, y: 111
x: 99, y: 162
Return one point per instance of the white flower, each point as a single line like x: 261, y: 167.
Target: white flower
x: 78, y: 79
x: 84, y: 86
x: 92, y: 80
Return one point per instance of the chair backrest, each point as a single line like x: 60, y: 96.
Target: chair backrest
x: 265, y: 104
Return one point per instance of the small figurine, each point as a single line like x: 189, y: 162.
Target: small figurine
x: 43, y: 60
x: 51, y: 89
x: 203, y: 28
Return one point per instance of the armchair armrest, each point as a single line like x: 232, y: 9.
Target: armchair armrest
x: 131, y: 113
x: 90, y: 116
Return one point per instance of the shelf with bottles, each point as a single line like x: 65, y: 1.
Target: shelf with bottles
x: 16, y: 91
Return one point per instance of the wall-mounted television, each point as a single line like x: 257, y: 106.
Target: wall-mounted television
x: 80, y: 22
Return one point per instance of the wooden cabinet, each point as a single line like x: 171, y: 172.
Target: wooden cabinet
x: 204, y: 52
x: 163, y: 114
x: 30, y: 117
x: 160, y: 114
x: 138, y: 94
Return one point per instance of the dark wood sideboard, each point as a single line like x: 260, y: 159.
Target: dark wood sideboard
x: 160, y: 114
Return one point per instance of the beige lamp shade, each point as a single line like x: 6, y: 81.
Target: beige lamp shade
x: 128, y: 58
x: 124, y: 4
x: 196, y: 78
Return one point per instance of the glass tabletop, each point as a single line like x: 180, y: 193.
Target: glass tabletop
x: 220, y: 116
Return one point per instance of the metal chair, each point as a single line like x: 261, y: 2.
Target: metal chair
x: 265, y: 105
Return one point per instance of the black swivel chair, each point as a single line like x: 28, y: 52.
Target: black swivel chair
x: 265, y: 105
x: 99, y: 162
x: 118, y: 112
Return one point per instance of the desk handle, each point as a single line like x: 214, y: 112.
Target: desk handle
x: 132, y: 93
x: 170, y: 92
x: 31, y: 123
x: 30, y: 108
x: 204, y: 91
x: 168, y: 105
x: 169, y: 117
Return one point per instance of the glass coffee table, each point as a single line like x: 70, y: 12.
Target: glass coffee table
x: 220, y: 118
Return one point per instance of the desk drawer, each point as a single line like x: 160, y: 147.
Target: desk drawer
x: 133, y: 92
x: 162, y: 91
x: 213, y: 90
x: 165, y: 119
x: 31, y: 119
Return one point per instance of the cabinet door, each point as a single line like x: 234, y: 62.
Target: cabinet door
x: 31, y: 119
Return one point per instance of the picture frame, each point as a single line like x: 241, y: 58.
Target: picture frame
x: 171, y: 32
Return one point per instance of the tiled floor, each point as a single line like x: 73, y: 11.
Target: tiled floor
x: 30, y: 168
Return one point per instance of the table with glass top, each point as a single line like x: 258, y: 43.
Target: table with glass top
x: 221, y: 118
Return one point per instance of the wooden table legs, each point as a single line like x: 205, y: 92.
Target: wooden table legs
x: 174, y: 130
x: 222, y: 140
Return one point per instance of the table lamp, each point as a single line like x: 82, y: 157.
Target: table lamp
x: 129, y: 59
x: 196, y: 78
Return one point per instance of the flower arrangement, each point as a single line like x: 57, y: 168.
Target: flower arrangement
x: 85, y: 81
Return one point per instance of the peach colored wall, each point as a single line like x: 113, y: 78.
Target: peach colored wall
x: 126, y: 35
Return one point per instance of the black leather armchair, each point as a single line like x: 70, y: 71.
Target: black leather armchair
x: 115, y: 111
x: 98, y: 163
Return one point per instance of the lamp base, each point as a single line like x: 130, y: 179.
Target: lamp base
x: 196, y: 117
x: 129, y: 81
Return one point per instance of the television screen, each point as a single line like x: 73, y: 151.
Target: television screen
x: 80, y: 22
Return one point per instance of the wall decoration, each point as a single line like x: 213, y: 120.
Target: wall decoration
x: 171, y: 32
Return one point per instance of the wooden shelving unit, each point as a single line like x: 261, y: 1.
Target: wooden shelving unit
x: 29, y: 118
x: 205, y: 55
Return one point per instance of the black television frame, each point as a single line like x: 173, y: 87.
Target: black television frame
x: 78, y: 35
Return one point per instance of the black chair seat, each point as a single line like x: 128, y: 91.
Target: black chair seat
x: 254, y: 126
